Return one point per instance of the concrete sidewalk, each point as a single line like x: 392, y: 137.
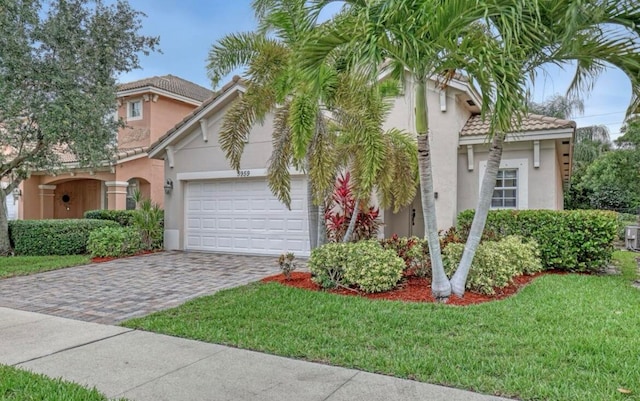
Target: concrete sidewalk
x: 143, y: 366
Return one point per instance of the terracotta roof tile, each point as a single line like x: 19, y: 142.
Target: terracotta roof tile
x: 171, y: 84
x: 533, y: 122
x: 68, y: 157
x: 188, y: 117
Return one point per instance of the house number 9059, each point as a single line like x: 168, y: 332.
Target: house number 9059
x: 244, y: 173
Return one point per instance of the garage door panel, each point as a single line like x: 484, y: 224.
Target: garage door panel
x: 243, y: 216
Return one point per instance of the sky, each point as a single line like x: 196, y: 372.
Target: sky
x: 188, y: 28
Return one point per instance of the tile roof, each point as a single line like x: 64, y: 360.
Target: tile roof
x: 170, y: 83
x: 188, y: 117
x: 121, y: 153
x: 533, y: 122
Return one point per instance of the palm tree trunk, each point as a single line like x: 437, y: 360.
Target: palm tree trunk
x: 352, y: 222
x: 440, y: 286
x: 459, y: 279
x: 322, y: 226
x: 312, y: 215
x: 5, y: 244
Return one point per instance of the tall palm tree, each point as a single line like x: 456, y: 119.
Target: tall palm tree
x: 304, y: 136
x: 498, y: 44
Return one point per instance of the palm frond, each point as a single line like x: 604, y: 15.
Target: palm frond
x: 278, y: 174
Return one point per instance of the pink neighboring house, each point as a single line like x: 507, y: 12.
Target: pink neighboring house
x: 149, y: 107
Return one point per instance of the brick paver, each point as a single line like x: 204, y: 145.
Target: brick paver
x: 114, y: 291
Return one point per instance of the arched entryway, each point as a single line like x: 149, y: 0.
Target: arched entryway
x: 137, y: 184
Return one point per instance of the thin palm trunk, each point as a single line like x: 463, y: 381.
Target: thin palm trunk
x: 5, y: 244
x: 322, y: 226
x: 352, y: 222
x: 312, y: 215
x: 480, y: 217
x: 440, y: 286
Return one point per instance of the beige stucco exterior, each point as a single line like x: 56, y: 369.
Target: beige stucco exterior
x: 106, y: 187
x: 191, y: 155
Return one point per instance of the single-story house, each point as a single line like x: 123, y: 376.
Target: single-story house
x: 149, y: 107
x: 214, y: 208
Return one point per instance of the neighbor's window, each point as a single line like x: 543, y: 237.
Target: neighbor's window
x: 134, y: 110
x: 505, y: 194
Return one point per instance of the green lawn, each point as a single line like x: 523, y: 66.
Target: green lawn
x: 22, y: 265
x: 20, y: 385
x: 563, y: 337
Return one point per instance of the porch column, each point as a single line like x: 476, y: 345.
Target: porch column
x: 117, y: 194
x: 47, y: 196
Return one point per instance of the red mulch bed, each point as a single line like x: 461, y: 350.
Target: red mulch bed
x: 101, y: 260
x: 411, y: 289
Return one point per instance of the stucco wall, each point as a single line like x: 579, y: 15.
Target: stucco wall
x: 444, y: 127
x: 193, y: 154
x: 542, y: 185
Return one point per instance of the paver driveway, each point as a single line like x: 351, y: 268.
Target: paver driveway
x: 114, y: 291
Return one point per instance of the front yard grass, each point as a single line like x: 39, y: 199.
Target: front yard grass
x: 21, y: 385
x: 11, y: 266
x: 563, y: 337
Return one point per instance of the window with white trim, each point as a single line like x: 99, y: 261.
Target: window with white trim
x: 134, y: 110
x: 505, y: 193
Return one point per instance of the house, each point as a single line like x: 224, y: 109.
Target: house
x: 214, y: 208
x: 149, y: 107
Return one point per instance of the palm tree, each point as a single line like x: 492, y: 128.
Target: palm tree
x: 303, y: 134
x: 496, y: 43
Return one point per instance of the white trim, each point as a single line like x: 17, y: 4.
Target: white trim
x: 116, y: 183
x: 222, y: 174
x: 470, y: 157
x: 49, y: 187
x: 522, y: 165
x: 130, y: 158
x: 204, y: 129
x: 147, y: 89
x: 566, y: 133
x: 536, y: 154
x: 443, y: 100
x: 170, y: 156
x: 128, y: 109
x: 189, y: 124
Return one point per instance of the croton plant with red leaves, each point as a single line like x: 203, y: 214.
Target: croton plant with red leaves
x: 340, y: 208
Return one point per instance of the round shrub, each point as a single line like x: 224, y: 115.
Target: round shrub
x: 495, y: 263
x: 326, y: 263
x: 114, y: 242
x: 363, y: 264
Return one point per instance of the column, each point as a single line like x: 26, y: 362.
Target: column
x: 47, y: 198
x: 117, y: 194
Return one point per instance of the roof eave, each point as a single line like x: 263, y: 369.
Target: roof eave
x: 539, y: 135
x: 185, y: 125
x: 161, y: 92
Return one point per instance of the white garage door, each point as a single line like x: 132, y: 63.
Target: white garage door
x: 242, y: 216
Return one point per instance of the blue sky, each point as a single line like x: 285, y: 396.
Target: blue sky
x: 188, y: 28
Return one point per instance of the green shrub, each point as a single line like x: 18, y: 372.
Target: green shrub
x: 413, y: 251
x: 575, y: 240
x: 495, y: 263
x: 114, y: 241
x: 149, y: 221
x: 53, y: 237
x: 122, y: 217
x: 363, y: 264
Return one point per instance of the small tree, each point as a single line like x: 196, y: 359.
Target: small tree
x: 348, y: 219
x: 58, y: 88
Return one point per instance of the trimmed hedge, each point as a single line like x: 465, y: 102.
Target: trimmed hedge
x: 575, y: 240
x: 114, y: 242
x: 53, y: 237
x: 123, y: 217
